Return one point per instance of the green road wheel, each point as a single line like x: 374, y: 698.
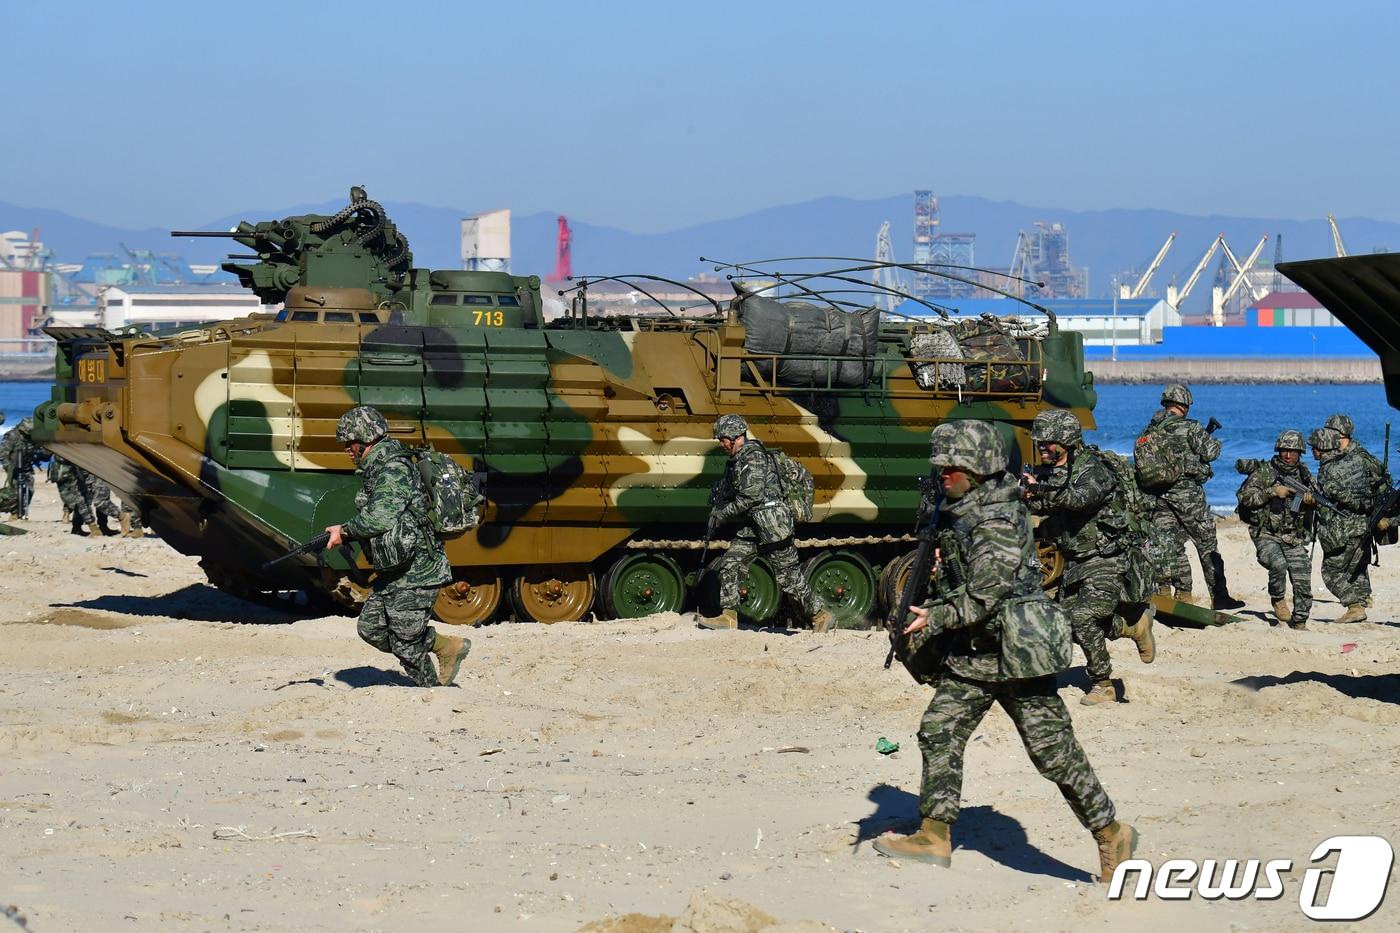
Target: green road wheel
x: 641, y: 584
x: 845, y: 583
x: 759, y: 596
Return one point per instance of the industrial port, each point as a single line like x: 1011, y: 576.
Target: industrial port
x: 1232, y: 317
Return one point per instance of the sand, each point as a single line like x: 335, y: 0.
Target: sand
x: 177, y: 759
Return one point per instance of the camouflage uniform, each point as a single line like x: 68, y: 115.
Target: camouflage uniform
x: 1281, y: 535
x: 410, y: 562
x: 1085, y: 522
x: 991, y: 542
x: 100, y: 496
x: 1180, y: 511
x: 1343, y: 477
x: 751, y: 493
x: 1376, y: 471
x: 18, y: 453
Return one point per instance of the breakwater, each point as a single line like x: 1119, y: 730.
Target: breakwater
x: 1221, y: 370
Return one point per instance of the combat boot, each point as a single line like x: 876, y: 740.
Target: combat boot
x: 728, y: 618
x: 125, y: 521
x: 1186, y: 596
x: 1299, y: 626
x: 1356, y: 612
x: 1141, y: 633
x: 823, y: 621
x: 932, y: 844
x: 1283, y: 611
x: 67, y: 516
x: 94, y: 531
x: 449, y: 651
x: 1101, y: 692
x: 1117, y: 843
x: 1224, y: 600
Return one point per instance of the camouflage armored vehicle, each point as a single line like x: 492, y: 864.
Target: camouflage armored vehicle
x: 593, y: 434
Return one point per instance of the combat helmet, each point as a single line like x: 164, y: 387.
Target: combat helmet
x: 973, y: 446
x: 363, y: 424
x: 1342, y: 424
x: 730, y: 426
x: 1289, y: 440
x: 1324, y: 439
x: 1057, y: 426
x: 1176, y: 394
x: 25, y: 425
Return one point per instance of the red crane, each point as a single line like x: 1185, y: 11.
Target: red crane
x: 563, y: 252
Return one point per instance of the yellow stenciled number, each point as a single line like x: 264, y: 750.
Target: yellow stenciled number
x: 498, y: 318
x: 477, y: 319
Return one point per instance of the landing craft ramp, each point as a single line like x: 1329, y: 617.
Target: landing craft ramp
x: 1363, y: 292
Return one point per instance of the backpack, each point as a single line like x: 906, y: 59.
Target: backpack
x: 799, y: 488
x: 1150, y: 553
x: 1158, y: 459
x: 454, y: 494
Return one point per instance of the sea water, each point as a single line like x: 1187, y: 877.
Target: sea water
x: 1252, y: 416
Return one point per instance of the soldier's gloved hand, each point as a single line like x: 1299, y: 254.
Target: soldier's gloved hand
x: 1384, y: 524
x: 1308, y: 499
x: 1282, y: 491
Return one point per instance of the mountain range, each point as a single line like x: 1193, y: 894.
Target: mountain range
x: 1112, y: 242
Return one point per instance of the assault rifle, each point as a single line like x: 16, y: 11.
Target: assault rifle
x: 919, y: 571
x: 1366, y: 547
x: 1300, y: 490
x: 314, y: 546
x: 1213, y: 425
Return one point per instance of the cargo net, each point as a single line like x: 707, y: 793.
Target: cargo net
x: 800, y: 345
x: 985, y: 354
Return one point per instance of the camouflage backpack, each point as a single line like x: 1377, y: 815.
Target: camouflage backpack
x: 1149, y: 548
x: 453, y: 493
x: 799, y: 488
x: 1158, y: 459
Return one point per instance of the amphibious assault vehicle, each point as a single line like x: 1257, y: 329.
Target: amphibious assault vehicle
x: 593, y: 433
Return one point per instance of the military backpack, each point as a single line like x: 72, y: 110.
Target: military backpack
x: 1158, y: 459
x: 799, y: 488
x: 1150, y: 553
x: 454, y: 494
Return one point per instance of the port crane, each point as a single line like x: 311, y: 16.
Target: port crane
x: 1020, y: 264
x: 1177, y: 298
x: 886, y: 278
x: 1338, y: 246
x: 1219, y: 298
x: 1127, y: 292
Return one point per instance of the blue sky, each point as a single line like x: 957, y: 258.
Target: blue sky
x: 654, y: 116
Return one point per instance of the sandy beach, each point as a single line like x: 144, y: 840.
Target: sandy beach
x: 177, y: 759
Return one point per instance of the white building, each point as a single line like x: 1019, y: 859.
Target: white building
x: 1102, y: 321
x: 170, y: 305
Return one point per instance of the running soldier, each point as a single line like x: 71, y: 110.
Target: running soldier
x: 1343, y: 533
x: 750, y: 494
x: 1280, y: 519
x: 409, y: 560
x: 957, y: 642
x: 1085, y: 519
x: 1173, y: 458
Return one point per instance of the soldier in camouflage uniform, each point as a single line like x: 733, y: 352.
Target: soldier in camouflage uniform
x: 1281, y: 533
x: 955, y: 642
x: 1085, y: 519
x: 18, y: 454
x: 750, y: 493
x: 67, y: 478
x: 99, y: 496
x: 409, y: 560
x: 1180, y: 510
x: 1376, y: 471
x: 1344, y: 534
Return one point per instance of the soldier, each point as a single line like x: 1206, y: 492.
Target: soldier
x: 409, y: 560
x: 1179, y: 507
x: 1085, y: 518
x: 68, y: 479
x: 99, y: 496
x: 1281, y: 532
x: 1344, y: 534
x: 18, y: 454
x: 130, y: 520
x: 955, y: 641
x: 1375, y: 470
x: 750, y: 493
